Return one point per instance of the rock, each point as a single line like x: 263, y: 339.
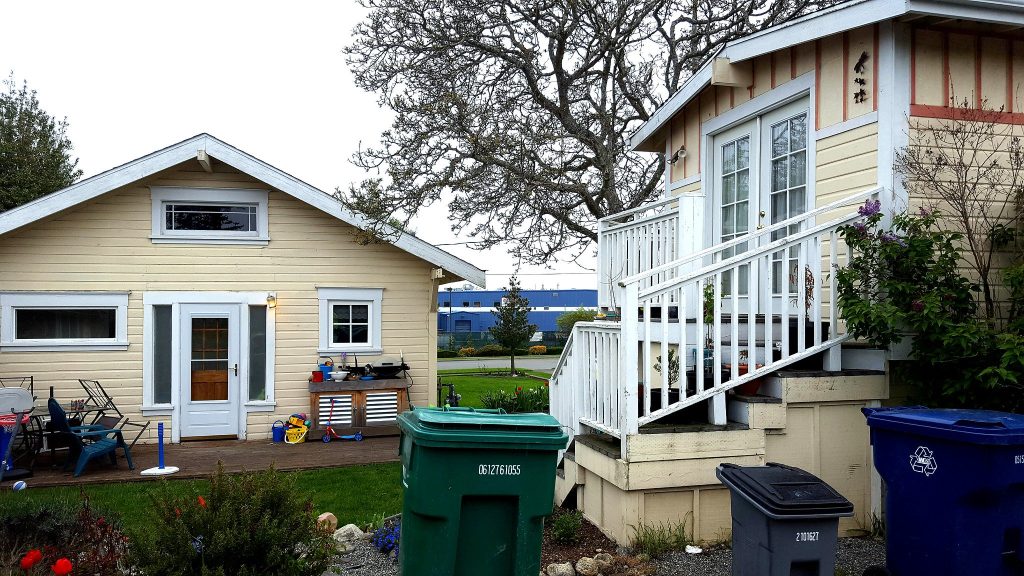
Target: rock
x: 604, y: 562
x: 347, y: 536
x: 329, y: 520
x: 564, y: 569
x: 586, y: 566
x: 693, y: 549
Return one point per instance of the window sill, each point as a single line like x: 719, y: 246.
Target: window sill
x: 157, y: 410
x: 61, y: 346
x: 260, y: 406
x: 240, y: 241
x: 323, y: 352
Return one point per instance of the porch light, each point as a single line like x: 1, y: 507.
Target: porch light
x: 271, y: 301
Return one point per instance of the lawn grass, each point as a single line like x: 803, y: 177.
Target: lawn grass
x: 474, y: 385
x: 355, y: 494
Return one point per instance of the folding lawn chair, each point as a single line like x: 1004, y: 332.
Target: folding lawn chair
x: 24, y: 382
x: 108, y: 415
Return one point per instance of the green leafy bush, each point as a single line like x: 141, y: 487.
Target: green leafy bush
x: 493, y: 350
x: 906, y: 280
x: 566, y: 526
x: 50, y: 531
x: 567, y: 320
x: 446, y: 354
x: 528, y: 399
x: 248, y: 524
x: 656, y: 539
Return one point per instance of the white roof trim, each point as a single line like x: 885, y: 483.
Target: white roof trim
x: 826, y: 23
x: 176, y: 154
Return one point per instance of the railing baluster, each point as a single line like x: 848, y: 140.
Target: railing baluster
x: 698, y: 358
x: 718, y: 332
x: 769, y: 319
x: 815, y: 290
x: 681, y: 350
x: 734, y: 345
x: 648, y: 379
x: 801, y: 296
x: 665, y: 371
x: 833, y: 268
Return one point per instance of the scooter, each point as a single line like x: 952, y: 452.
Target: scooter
x: 330, y: 434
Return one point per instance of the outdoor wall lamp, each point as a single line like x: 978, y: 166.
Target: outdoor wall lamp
x: 271, y: 301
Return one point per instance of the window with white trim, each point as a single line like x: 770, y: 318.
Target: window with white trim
x: 350, y: 320
x: 64, y: 320
x: 209, y: 215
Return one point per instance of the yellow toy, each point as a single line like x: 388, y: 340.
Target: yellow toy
x: 295, y: 435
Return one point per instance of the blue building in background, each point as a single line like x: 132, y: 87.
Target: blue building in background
x: 471, y: 311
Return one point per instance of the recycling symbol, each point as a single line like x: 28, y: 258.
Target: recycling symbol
x: 923, y: 461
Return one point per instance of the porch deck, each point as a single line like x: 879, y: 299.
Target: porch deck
x: 199, y: 459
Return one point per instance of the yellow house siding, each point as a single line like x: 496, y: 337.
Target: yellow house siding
x: 105, y: 245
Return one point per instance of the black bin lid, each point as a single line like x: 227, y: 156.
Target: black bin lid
x: 784, y: 490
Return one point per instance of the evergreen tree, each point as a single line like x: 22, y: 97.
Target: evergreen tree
x: 35, y: 153
x: 512, y: 328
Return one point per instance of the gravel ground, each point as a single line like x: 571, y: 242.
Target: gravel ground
x: 852, y: 557
x: 365, y: 560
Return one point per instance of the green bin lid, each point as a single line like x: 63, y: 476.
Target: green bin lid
x: 467, y: 426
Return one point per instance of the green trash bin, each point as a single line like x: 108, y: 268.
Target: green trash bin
x: 478, y: 485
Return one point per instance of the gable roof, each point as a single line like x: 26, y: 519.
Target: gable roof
x: 186, y: 150
x: 823, y: 23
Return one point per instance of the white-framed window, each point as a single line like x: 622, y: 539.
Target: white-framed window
x: 350, y: 320
x: 209, y: 216
x: 54, y: 321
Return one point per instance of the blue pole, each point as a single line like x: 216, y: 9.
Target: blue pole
x: 160, y: 444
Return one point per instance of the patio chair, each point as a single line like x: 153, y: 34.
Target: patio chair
x: 98, y: 397
x: 24, y: 382
x: 88, y: 442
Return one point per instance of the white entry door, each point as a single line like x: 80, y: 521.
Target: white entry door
x: 209, y: 370
x: 761, y: 174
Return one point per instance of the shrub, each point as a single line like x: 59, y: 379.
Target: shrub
x: 493, y: 350
x: 566, y: 526
x: 42, y: 534
x: 567, y: 320
x: 250, y: 523
x: 522, y: 400
x: 467, y: 351
x: 555, y: 350
x: 387, y: 537
x: 446, y: 354
x: 537, y: 350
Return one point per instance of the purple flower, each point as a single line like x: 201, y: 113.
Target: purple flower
x: 861, y: 227
x: 870, y: 208
x: 917, y: 306
x: 925, y: 211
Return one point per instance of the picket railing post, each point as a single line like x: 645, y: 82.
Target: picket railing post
x: 627, y: 384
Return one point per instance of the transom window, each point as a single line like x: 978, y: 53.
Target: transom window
x: 209, y: 216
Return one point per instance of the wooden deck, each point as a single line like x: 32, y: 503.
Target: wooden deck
x: 199, y: 459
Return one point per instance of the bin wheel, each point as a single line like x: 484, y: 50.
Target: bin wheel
x: 326, y: 438
x: 877, y: 571
x: 359, y: 436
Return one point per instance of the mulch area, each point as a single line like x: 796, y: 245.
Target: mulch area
x: 199, y: 459
x: 591, y: 541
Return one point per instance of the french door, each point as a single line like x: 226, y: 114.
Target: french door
x: 760, y: 174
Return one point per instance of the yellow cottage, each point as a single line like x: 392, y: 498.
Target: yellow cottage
x: 201, y: 287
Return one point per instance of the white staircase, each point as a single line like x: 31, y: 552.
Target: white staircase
x: 605, y: 379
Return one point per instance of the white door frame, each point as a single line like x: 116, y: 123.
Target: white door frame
x: 175, y: 299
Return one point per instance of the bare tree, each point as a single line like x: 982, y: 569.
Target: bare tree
x: 520, y: 110
x: 973, y: 166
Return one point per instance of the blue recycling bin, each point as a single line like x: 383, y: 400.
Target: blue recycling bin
x: 954, y: 490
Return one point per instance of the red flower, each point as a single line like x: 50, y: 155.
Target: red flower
x: 202, y: 502
x: 177, y: 512
x: 31, y: 558
x: 62, y: 567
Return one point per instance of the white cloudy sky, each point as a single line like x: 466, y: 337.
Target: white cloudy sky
x: 267, y: 77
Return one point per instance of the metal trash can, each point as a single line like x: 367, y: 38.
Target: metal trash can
x: 478, y: 485
x: 785, y: 521
x: 954, y: 490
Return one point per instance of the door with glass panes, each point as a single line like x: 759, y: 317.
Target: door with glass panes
x: 760, y: 176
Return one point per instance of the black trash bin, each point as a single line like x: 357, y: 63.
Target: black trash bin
x: 785, y: 521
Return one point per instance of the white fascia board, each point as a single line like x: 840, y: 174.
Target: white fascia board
x: 329, y: 204
x: 186, y: 150
x: 100, y: 184
x: 1004, y: 12
x: 812, y: 27
x: 691, y: 88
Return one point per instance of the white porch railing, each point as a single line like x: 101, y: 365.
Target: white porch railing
x: 633, y: 242
x: 606, y: 379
